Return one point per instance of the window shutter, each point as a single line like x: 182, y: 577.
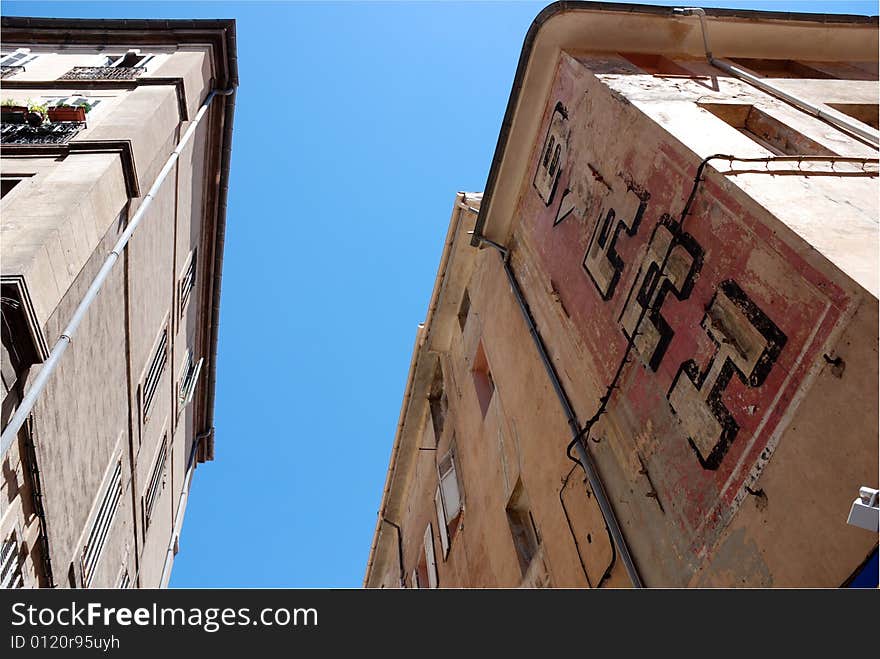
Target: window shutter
x: 10, y: 565
x: 94, y: 546
x: 429, y: 557
x: 441, y: 521
x: 154, y: 374
x: 157, y: 482
x: 18, y: 58
x: 449, y: 484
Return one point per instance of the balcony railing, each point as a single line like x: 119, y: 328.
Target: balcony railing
x: 103, y: 73
x: 7, y: 71
x: 58, y: 132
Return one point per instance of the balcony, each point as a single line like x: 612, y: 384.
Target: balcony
x: 48, y: 133
x: 103, y: 73
x: 9, y: 71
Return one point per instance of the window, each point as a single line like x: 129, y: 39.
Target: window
x: 552, y: 157
x: 91, y: 553
x: 864, y: 112
x: 9, y: 181
x: 447, y: 500
x: 188, y: 380
x: 124, y: 580
x: 426, y: 573
x: 187, y: 282
x: 75, y: 100
x: 767, y: 131
x: 526, y: 539
x: 16, y: 58
x: 483, y: 381
x: 10, y: 564
x: 156, y: 483
x: 129, y: 59
x: 464, y: 310
x: 781, y: 68
x: 656, y: 64
x: 117, y: 66
x: 154, y: 374
x: 437, y: 403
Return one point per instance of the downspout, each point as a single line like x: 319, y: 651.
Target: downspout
x: 30, y: 398
x: 181, y: 507
x: 584, y: 457
x: 399, y: 551
x: 773, y: 90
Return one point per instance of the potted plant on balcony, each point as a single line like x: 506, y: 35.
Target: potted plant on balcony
x: 69, y: 112
x: 12, y: 112
x: 36, y: 115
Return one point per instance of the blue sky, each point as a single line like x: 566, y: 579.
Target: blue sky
x: 356, y: 123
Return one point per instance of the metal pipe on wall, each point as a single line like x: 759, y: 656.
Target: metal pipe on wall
x: 61, y: 345
x: 584, y: 457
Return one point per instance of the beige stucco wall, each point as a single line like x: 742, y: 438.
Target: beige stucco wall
x: 57, y: 228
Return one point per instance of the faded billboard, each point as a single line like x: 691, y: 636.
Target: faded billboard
x: 699, y: 318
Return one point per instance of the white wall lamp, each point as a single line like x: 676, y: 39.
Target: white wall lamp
x: 865, y: 512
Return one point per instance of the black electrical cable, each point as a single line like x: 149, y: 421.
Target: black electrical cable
x: 570, y: 527
x: 584, y: 432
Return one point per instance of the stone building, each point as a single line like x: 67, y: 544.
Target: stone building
x: 94, y: 482
x: 650, y: 355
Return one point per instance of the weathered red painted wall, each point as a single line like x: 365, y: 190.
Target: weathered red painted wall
x: 725, y: 338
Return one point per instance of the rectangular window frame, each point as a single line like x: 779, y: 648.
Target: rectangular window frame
x: 151, y: 378
x: 116, y: 61
x: 751, y: 120
x: 430, y: 559
x: 523, y: 530
x: 484, y: 383
x: 156, y: 483
x: 18, y: 57
x: 93, y: 548
x: 187, y: 283
x: 189, y: 378
x: 448, y: 500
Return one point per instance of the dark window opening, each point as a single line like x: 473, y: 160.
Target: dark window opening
x: 867, y: 113
x: 437, y: 403
x: 130, y: 59
x: 6, y: 185
x: 656, y: 64
x: 772, y: 134
x: 483, y: 381
x: 526, y: 539
x: 19, y: 350
x: 464, y: 310
x: 781, y: 68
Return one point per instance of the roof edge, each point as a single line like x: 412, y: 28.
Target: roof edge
x: 563, y: 6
